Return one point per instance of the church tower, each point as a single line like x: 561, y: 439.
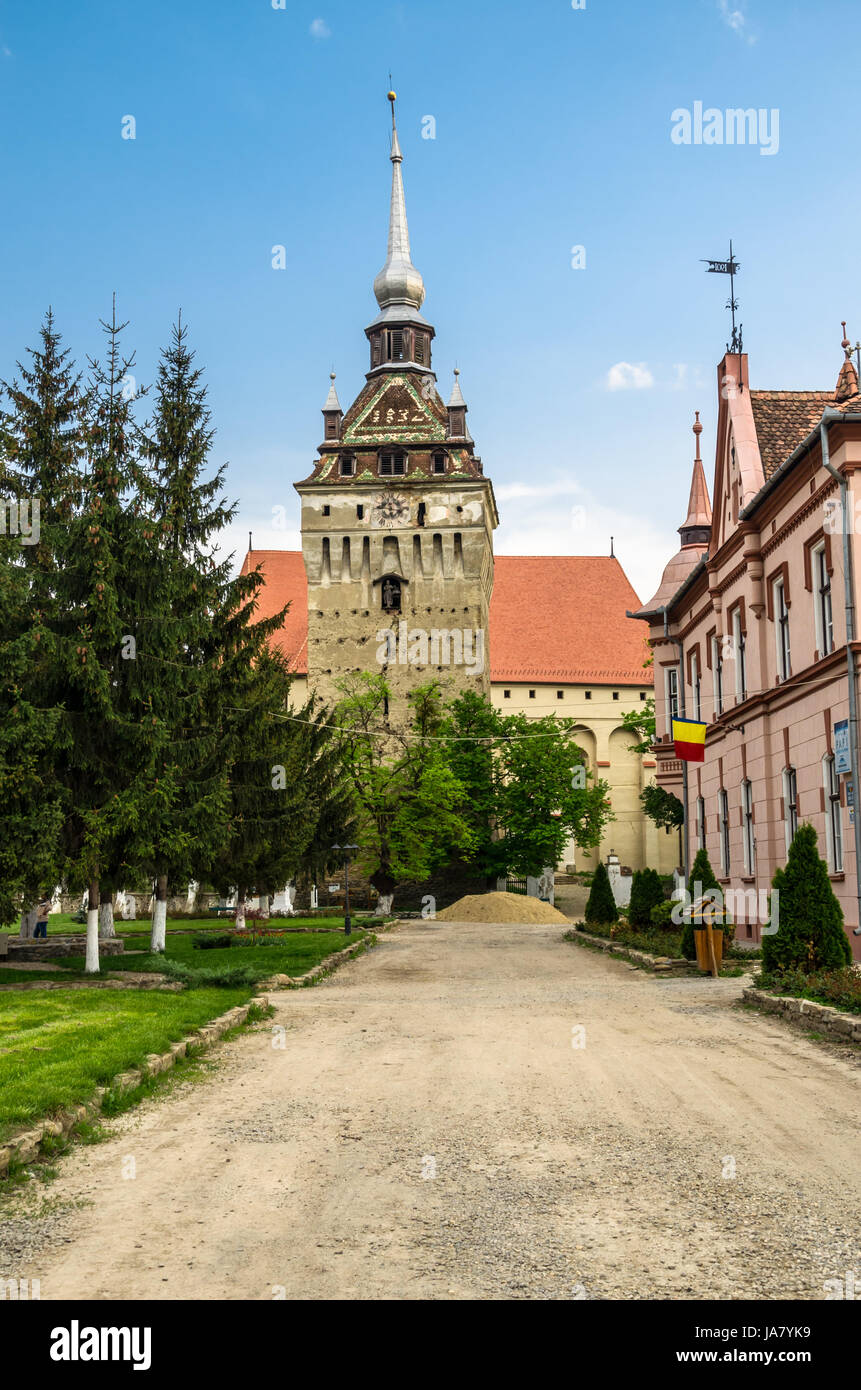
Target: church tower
x: 397, y: 515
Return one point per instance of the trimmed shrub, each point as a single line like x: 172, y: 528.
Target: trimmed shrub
x: 212, y: 941
x: 810, y: 934
x: 661, y: 916
x: 647, y: 892
x: 601, y: 905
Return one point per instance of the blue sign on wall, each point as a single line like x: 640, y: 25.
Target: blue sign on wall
x: 842, y: 760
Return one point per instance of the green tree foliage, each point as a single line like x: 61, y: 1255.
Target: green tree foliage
x: 601, y: 905
x: 647, y: 892
x: 529, y: 788
x: 810, y: 934
x: 664, y: 809
x: 412, y: 810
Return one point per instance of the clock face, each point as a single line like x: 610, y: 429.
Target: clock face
x: 391, y: 509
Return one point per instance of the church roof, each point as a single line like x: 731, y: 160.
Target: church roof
x: 554, y: 619
x: 561, y: 618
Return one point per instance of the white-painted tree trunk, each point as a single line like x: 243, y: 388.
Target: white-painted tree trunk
x: 106, y: 919
x: 159, y: 925
x: 384, y: 904
x: 263, y: 905
x: 239, y: 919
x: 91, y: 965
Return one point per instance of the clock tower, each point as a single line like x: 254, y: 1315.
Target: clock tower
x: 397, y: 515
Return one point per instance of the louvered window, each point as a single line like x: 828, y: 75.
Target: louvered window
x: 392, y: 465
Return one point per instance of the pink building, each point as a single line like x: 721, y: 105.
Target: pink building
x: 749, y: 630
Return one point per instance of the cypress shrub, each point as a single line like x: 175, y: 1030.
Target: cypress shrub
x: 810, y: 934
x: 601, y: 905
x: 647, y: 892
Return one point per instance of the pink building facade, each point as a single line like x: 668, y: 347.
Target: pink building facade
x: 749, y: 631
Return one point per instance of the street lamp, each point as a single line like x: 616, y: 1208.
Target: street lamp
x: 346, y: 852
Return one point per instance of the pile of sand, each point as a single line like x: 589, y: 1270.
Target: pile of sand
x: 500, y: 907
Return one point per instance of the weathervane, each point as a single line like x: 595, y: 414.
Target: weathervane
x: 730, y: 268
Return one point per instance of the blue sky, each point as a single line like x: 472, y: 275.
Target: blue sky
x: 258, y: 126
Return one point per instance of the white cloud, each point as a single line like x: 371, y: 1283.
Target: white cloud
x: 320, y: 29
x: 629, y: 376
x: 735, y: 19
x: 544, y: 523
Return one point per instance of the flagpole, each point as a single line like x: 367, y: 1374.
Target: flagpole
x: 677, y: 643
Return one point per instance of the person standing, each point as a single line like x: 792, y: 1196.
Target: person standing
x: 42, y: 912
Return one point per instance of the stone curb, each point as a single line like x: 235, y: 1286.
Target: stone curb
x: 317, y: 972
x: 804, y: 1013
x: 26, y: 1145
x: 662, y: 965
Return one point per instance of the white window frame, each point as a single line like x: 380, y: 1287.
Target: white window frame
x: 833, y: 817
x: 790, y: 805
x: 748, y: 834
x: 671, y: 690
x: 738, y: 646
x: 822, y: 601
x: 717, y: 676
x: 723, y: 817
x: 783, y: 646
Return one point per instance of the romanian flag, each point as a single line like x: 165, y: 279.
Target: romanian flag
x: 689, y: 737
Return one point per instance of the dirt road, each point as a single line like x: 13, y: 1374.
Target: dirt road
x: 428, y: 1130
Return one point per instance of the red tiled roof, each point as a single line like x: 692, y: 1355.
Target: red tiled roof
x: 783, y: 419
x: 562, y: 618
x: 284, y: 572
x: 553, y: 618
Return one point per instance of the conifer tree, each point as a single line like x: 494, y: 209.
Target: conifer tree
x: 810, y: 934
x: 601, y: 905
x: 646, y: 892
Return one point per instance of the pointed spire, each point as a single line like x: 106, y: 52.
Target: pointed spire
x: 399, y: 283
x: 332, y: 402
x: 456, y: 397
x: 696, y: 527
x: 847, y: 381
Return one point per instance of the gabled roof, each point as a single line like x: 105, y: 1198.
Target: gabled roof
x: 783, y: 419
x: 562, y: 618
x: 554, y: 619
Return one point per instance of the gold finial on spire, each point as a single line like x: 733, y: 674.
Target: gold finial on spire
x: 697, y: 429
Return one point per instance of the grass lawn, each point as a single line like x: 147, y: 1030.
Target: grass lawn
x: 292, y: 954
x: 57, y: 1046
x: 64, y: 924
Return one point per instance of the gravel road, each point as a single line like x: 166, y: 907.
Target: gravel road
x: 429, y: 1130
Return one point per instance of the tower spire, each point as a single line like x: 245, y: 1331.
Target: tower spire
x: 696, y: 527
x: 399, y: 286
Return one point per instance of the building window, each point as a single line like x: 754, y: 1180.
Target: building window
x: 348, y: 465
x: 327, y: 510
x: 695, y: 685
x: 532, y: 694
x: 717, y: 672
x: 419, y: 348
x: 588, y: 694
x: 790, y: 805
x: 738, y: 652
x: 420, y: 514
x: 360, y: 511
x: 506, y: 694
x: 781, y: 631
x: 749, y: 841
x: 833, y: 827
x: 560, y: 694
x: 395, y: 344
x: 822, y: 589
x: 642, y: 694
x: 723, y: 812
x: 701, y: 823
x: 392, y: 465
x: 439, y: 463
x: 672, y: 695
x: 615, y: 694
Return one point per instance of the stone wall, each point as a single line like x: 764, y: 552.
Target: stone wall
x: 805, y: 1013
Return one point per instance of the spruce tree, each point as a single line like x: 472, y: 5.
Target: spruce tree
x: 601, y: 905
x: 646, y: 892
x: 42, y: 448
x: 810, y: 934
